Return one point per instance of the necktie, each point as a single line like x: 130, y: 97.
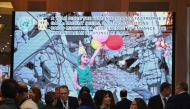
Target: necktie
x: 164, y: 100
x: 65, y: 103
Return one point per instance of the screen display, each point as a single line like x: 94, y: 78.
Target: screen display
x: 100, y: 50
x: 4, y: 71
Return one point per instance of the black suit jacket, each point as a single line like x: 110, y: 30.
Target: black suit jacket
x: 123, y: 104
x: 177, y: 101
x: 72, y: 102
x: 187, y: 106
x: 155, y: 102
x: 48, y: 107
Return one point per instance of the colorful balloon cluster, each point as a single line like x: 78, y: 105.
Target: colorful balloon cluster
x: 113, y: 42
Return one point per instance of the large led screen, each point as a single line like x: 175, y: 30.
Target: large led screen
x: 100, y: 50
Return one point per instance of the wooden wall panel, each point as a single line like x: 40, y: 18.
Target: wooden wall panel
x: 20, y: 5
x: 124, y: 5
x: 181, y: 63
x: 74, y: 5
x: 96, y: 5
x: 58, y: 5
x: 85, y: 5
x: 36, y: 5
x: 148, y: 6
x: 112, y: 5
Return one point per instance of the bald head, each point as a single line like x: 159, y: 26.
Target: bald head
x: 22, y: 88
x: 123, y: 93
x: 22, y: 84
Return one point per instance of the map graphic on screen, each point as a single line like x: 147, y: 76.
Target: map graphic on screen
x: 100, y: 50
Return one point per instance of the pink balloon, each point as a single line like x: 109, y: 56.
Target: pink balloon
x: 100, y: 34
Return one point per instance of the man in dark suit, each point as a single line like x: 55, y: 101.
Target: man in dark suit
x: 180, y: 99
x: 124, y: 103
x: 187, y: 106
x: 158, y: 101
x: 65, y: 101
x: 51, y: 101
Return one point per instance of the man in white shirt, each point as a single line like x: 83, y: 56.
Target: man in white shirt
x: 66, y: 101
x: 22, y: 98
x: 159, y: 101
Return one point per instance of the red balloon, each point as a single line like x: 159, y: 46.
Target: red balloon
x: 114, y: 42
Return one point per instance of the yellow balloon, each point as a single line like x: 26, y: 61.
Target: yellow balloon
x: 95, y: 44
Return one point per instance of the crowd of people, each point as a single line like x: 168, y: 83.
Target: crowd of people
x: 15, y: 95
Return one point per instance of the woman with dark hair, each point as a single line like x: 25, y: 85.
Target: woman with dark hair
x: 84, y: 89
x: 35, y: 95
x: 112, y: 104
x: 138, y: 103
x: 104, y: 100
x: 85, y: 101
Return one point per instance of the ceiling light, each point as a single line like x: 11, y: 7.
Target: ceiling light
x: 0, y: 15
x: 7, y: 42
x: 3, y: 48
x: 5, y: 45
x: 10, y: 35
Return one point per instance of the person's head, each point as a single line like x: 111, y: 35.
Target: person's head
x: 22, y: 92
x: 57, y: 92
x: 123, y: 93
x: 138, y: 103
x: 182, y: 86
x: 64, y: 92
x: 110, y: 94
x: 9, y: 88
x: 35, y: 94
x: 85, y: 98
x: 102, y: 97
x: 84, y: 89
x: 23, y: 89
x: 98, y: 97
x: 165, y: 89
x: 50, y: 98
x: 82, y: 59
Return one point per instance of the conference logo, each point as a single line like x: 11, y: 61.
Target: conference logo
x: 25, y: 23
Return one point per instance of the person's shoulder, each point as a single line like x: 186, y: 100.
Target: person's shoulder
x: 125, y: 100
x: 5, y: 106
x: 183, y: 95
x: 48, y: 107
x: 96, y: 107
x: 85, y: 107
x: 28, y: 104
x: 8, y: 104
x: 71, y: 97
x: 155, y: 96
x: 40, y: 103
x: 187, y: 105
x: 173, y: 98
